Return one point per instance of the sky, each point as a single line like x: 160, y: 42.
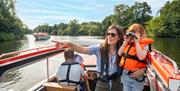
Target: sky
x: 38, y: 12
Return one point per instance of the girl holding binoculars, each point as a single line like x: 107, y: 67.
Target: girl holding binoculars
x: 133, y: 53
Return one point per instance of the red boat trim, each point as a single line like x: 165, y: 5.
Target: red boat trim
x: 28, y: 58
x: 16, y: 58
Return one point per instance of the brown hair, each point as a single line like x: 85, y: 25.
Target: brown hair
x: 104, y: 50
x: 68, y: 53
x: 137, y: 28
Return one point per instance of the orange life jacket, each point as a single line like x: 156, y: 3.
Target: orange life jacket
x: 132, y: 62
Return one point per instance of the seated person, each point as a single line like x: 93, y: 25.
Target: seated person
x: 80, y: 60
x: 70, y: 72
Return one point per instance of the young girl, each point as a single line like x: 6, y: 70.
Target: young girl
x: 133, y: 51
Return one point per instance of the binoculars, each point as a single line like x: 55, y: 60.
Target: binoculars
x: 128, y: 34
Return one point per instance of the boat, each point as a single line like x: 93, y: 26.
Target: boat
x: 18, y: 59
x: 162, y: 74
x: 41, y: 36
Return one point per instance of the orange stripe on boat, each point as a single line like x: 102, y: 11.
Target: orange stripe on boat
x: 161, y: 70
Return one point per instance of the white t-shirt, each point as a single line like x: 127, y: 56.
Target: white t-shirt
x: 75, y: 73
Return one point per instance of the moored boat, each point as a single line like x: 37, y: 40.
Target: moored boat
x: 41, y: 36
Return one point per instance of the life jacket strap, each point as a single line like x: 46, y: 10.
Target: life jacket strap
x: 68, y: 72
x: 133, y: 57
x: 70, y: 81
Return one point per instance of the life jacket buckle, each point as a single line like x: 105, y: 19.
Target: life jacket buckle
x: 126, y: 55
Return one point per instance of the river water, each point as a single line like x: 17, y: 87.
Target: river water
x: 26, y: 77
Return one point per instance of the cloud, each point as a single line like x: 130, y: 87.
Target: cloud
x: 35, y: 12
x: 82, y: 7
x: 32, y: 22
x: 42, y: 11
x: 100, y: 5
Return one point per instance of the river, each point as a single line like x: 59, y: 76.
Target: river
x: 26, y: 77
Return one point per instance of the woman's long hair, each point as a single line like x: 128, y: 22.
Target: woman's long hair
x: 104, y: 48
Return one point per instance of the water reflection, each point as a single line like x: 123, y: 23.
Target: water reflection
x: 10, y: 46
x: 169, y: 47
x: 83, y: 40
x: 12, y: 77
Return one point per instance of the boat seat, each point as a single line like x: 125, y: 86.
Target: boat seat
x: 91, y: 74
x: 52, y: 86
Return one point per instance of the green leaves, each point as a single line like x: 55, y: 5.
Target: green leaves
x: 167, y: 24
x: 125, y: 15
x: 11, y: 26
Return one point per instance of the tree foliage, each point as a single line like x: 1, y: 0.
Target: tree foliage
x: 164, y: 25
x: 167, y: 23
x: 10, y: 24
x: 125, y: 15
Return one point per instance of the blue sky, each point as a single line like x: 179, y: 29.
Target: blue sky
x: 36, y: 12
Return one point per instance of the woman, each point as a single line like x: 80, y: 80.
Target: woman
x: 133, y: 51
x: 107, y: 58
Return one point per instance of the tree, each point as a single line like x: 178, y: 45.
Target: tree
x: 122, y: 14
x: 73, y: 28
x: 106, y: 23
x: 125, y: 15
x: 42, y: 28
x: 91, y: 29
x: 10, y: 24
x: 141, y: 12
x: 155, y: 27
x: 61, y: 28
x: 169, y: 21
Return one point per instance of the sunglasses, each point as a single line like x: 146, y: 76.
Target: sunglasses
x: 112, y: 34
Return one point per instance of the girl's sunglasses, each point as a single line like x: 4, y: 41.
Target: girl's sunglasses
x: 112, y: 34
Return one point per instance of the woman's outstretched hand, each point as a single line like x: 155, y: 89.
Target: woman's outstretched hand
x: 61, y: 44
x: 75, y: 47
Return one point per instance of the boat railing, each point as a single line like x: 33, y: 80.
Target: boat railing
x: 23, y: 51
x: 176, y: 70
x: 14, y: 60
